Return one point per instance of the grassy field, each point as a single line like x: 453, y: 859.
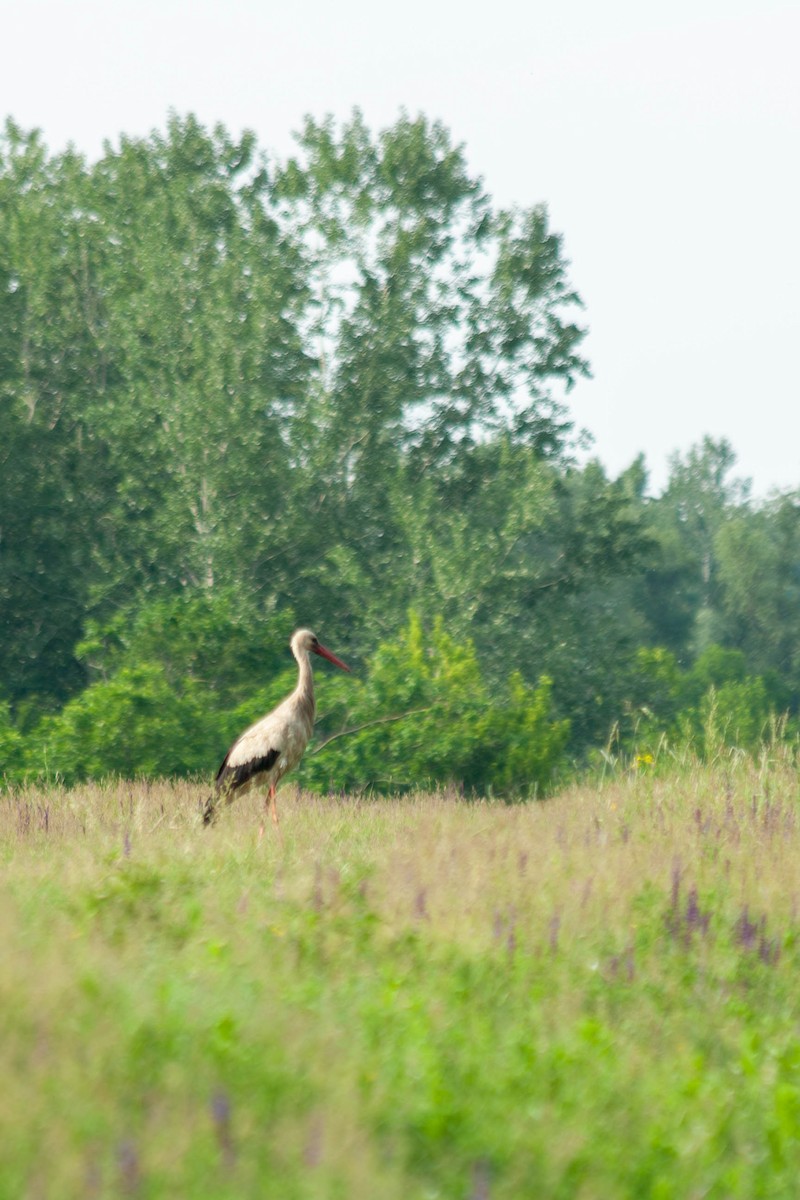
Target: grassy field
x: 596, y: 996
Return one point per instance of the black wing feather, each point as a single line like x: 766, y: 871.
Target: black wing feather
x: 230, y: 778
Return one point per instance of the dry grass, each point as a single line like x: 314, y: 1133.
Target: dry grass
x: 594, y: 996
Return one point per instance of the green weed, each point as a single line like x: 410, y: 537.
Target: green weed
x: 590, y: 997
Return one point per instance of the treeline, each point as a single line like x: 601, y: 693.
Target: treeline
x: 238, y: 394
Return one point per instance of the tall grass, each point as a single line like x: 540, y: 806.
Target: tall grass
x: 595, y: 996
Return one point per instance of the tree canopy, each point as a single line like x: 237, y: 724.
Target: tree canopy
x: 238, y: 392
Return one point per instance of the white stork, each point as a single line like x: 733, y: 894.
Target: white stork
x: 275, y: 744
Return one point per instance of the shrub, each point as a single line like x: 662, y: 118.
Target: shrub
x: 424, y: 714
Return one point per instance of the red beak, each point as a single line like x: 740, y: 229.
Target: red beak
x: 331, y: 657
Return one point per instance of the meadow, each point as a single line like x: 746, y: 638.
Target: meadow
x: 591, y: 996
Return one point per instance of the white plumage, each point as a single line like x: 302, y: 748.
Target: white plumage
x: 276, y: 743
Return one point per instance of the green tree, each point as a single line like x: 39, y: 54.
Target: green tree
x: 425, y: 715
x: 530, y: 561
x: 171, y: 685
x: 236, y: 370
x: 13, y: 750
x: 56, y: 481
x: 135, y: 723
x: 217, y: 638
x: 759, y: 568
x: 435, y: 321
x: 679, y: 592
x: 333, y: 385
x: 203, y: 296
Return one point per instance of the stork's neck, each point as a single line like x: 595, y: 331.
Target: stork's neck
x: 305, y: 683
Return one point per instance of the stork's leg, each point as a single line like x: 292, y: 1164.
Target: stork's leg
x: 274, y: 811
x: 270, y: 804
x: 261, y: 829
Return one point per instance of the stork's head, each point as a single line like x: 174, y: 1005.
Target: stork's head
x: 306, y: 642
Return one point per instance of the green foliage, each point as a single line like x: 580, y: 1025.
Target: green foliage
x: 178, y: 682
x: 348, y: 403
x: 760, y: 570
x: 737, y: 714
x: 357, y: 315
x: 210, y: 638
x: 173, y: 684
x: 12, y: 745
x: 527, y: 743
x: 712, y: 706
x: 132, y: 724
x: 715, y: 668
x: 680, y: 592
x: 427, y: 714
x: 656, y: 691
x: 55, y: 481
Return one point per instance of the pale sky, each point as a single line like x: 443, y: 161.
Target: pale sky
x: 664, y: 138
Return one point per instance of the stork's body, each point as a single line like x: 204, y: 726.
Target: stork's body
x: 273, y: 745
